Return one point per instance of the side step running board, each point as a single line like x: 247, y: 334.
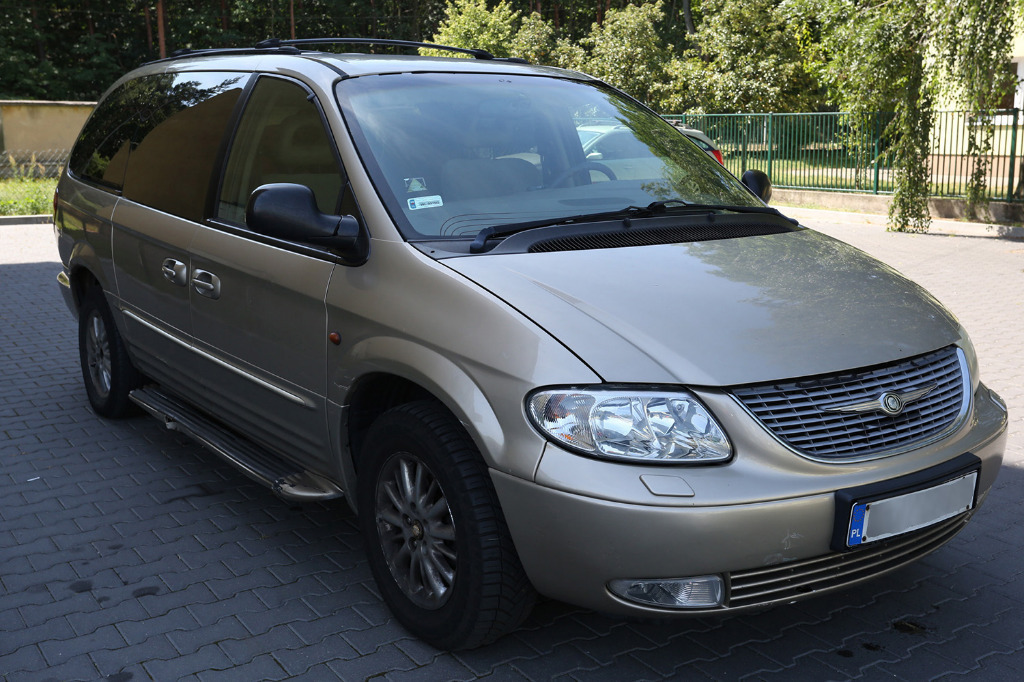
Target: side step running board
x: 259, y: 464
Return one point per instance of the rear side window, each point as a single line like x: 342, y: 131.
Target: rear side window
x: 101, y: 152
x: 281, y: 138
x: 178, y: 135
x: 156, y: 138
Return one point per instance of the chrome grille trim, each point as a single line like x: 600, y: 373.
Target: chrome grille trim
x: 807, y: 577
x: 794, y: 411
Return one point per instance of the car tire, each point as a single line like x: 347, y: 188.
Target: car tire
x: 106, y: 368
x: 435, y: 536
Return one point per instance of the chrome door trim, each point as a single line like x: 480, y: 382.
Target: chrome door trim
x: 223, y: 363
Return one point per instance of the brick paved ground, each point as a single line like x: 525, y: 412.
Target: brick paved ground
x: 129, y: 553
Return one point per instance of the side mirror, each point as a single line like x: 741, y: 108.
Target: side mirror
x: 288, y: 211
x: 758, y: 183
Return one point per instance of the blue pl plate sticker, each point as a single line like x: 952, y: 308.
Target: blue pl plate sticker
x: 857, y: 519
x: 425, y: 202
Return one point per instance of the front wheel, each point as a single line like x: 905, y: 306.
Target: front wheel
x: 435, y: 536
x: 106, y: 368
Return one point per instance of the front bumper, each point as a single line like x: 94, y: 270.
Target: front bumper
x: 573, y: 544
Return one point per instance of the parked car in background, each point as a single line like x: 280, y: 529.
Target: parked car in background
x: 537, y: 353
x: 700, y: 139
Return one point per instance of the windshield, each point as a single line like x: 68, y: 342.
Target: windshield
x: 453, y: 154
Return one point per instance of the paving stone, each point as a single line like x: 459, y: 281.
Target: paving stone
x: 297, y: 660
x: 135, y: 631
x: 325, y: 625
x: 22, y: 662
x: 278, y: 639
x: 442, y: 668
x: 372, y: 664
x: 208, y: 658
x: 264, y: 667
x: 59, y: 651
x: 112, y: 661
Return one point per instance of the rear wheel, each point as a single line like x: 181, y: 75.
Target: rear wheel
x: 435, y: 536
x: 106, y: 368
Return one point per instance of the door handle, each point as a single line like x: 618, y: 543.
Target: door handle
x: 206, y: 284
x: 174, y: 271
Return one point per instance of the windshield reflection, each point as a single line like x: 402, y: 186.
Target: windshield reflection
x: 452, y: 154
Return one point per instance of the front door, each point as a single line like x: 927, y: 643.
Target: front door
x: 258, y: 310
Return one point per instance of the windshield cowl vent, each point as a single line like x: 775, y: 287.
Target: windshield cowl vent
x: 662, y: 235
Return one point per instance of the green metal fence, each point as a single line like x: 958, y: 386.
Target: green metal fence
x: 843, y: 152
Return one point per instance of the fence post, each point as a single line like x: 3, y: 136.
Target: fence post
x: 1013, y: 154
x: 743, y: 144
x: 769, y: 171
x: 875, y: 148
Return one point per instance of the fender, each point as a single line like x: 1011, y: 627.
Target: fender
x: 458, y: 385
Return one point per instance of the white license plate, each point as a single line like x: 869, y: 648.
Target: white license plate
x: 880, y: 519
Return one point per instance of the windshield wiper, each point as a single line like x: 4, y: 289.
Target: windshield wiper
x: 658, y: 207
x: 651, y: 209
x: 495, y: 231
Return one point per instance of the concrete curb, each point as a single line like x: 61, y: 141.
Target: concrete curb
x: 25, y: 219
x: 941, y: 227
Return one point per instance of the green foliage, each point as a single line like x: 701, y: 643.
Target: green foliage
x: 27, y: 196
x: 897, y: 56
x: 625, y: 51
x: 745, y: 57
x: 469, y: 23
x: 502, y: 31
x: 972, y: 41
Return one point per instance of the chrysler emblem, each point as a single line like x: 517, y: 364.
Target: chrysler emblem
x: 890, y: 402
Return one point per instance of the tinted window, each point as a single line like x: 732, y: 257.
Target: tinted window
x: 178, y: 133
x: 165, y: 130
x: 281, y: 138
x: 101, y: 151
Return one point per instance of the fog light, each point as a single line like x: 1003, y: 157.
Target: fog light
x: 700, y: 592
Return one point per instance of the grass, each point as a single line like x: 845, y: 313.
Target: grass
x: 27, y: 196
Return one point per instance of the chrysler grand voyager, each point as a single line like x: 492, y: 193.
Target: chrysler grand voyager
x: 618, y: 379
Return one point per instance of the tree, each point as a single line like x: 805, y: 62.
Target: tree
x: 744, y: 57
x: 469, y: 24
x: 897, y: 56
x: 625, y: 51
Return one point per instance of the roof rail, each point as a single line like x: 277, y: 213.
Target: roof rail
x: 475, y: 53
x: 190, y: 52
x: 292, y: 47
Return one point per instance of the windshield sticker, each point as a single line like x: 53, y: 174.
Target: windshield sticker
x: 415, y: 185
x: 425, y: 202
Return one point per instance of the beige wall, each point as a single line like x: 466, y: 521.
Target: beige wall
x: 38, y: 126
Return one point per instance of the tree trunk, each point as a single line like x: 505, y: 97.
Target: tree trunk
x: 688, y: 17
x: 161, y: 37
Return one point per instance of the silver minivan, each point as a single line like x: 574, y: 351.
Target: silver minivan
x: 613, y: 377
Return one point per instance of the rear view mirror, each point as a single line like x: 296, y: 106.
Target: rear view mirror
x: 758, y: 183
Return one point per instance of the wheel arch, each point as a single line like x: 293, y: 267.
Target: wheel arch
x: 83, y: 280
x: 401, y: 371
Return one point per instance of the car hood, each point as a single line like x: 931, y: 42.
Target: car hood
x: 719, y: 313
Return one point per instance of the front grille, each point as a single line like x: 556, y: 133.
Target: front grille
x: 797, y: 579
x: 795, y: 412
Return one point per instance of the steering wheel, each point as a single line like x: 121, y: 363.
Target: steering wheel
x: 584, y: 165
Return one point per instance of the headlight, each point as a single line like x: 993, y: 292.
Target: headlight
x: 649, y: 426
